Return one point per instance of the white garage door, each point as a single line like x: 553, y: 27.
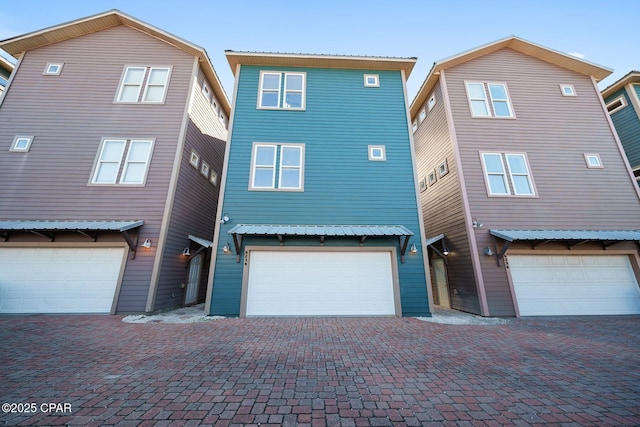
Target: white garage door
x: 574, y: 285
x: 58, y: 280
x: 283, y: 283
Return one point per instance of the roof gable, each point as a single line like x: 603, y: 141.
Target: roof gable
x: 630, y: 77
x: 515, y: 43
x: 102, y: 21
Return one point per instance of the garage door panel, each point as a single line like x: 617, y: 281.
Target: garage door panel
x: 574, y: 285
x: 319, y: 283
x: 59, y: 280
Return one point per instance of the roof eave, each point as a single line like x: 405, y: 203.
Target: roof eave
x: 631, y: 77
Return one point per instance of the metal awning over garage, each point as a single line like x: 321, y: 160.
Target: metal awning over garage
x: 91, y: 229
x: 572, y: 238
x: 321, y: 232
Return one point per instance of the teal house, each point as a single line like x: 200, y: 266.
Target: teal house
x: 623, y: 103
x: 318, y: 214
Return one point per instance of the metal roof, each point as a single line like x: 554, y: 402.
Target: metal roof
x: 56, y: 225
x: 202, y: 242
x: 320, y: 230
x: 605, y: 235
x: 434, y: 239
x: 631, y: 77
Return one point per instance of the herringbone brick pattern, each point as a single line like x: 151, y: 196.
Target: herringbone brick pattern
x: 322, y: 371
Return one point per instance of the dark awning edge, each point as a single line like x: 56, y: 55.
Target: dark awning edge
x: 320, y: 231
x: 431, y: 241
x: 88, y: 228
x: 202, y: 242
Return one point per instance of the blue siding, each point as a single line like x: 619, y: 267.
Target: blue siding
x: 627, y: 125
x: 341, y: 186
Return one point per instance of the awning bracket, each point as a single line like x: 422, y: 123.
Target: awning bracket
x: 403, y: 247
x: 362, y: 239
x: 132, y: 245
x: 237, y: 243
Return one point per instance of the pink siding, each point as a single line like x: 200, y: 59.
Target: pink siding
x: 69, y: 115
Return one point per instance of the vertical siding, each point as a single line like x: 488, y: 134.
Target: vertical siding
x: 627, y: 126
x: 555, y: 132
x: 341, y: 186
x: 69, y: 115
x: 442, y: 203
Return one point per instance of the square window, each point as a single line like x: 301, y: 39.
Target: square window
x: 415, y: 126
x: 567, y: 90
x: 496, y: 104
x: 53, y: 69
x: 432, y: 178
x: 21, y: 144
x: 443, y: 169
x: 593, y: 161
x: 194, y: 159
x: 206, y: 91
x: 204, y: 169
x: 432, y: 101
x: 514, y: 179
x: 377, y: 153
x: 269, y: 173
x: 111, y: 156
x: 271, y: 94
x: 213, y: 179
x: 423, y: 115
x: 423, y: 184
x: 151, y: 82
x: 371, y: 80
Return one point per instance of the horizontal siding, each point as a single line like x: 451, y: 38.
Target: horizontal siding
x: 202, y: 111
x: 342, y: 186
x: 442, y: 204
x: 627, y: 126
x: 555, y: 132
x: 69, y: 115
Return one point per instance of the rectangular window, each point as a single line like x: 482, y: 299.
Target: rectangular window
x: 514, y: 179
x: 53, y: 69
x: 271, y: 95
x: 423, y: 115
x: 151, y: 82
x: 371, y: 80
x: 377, y: 153
x: 277, y: 167
x: 21, y: 144
x: 567, y: 90
x: 431, y: 102
x: 204, y: 169
x: 110, y: 159
x: 617, y: 104
x: 206, y: 91
x: 414, y: 126
x: 489, y: 100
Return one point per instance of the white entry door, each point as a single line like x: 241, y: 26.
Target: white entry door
x: 195, y: 269
x: 574, y: 285
x: 319, y: 283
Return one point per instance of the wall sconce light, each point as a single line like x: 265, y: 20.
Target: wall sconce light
x: 476, y: 223
x: 226, y: 249
x: 224, y: 219
x: 488, y: 251
x: 146, y: 244
x: 413, y: 249
x: 186, y: 252
x: 445, y: 251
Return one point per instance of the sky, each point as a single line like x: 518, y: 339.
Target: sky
x: 602, y: 32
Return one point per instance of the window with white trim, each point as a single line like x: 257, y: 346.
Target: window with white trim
x: 204, y: 169
x: 282, y: 90
x: 432, y: 101
x: 593, y: 160
x: 617, y: 104
x: 489, y: 99
x: 377, y: 153
x: 206, y: 91
x: 143, y: 85
x: 567, y: 90
x: 53, y: 69
x: 277, y: 167
x: 414, y: 126
x: 423, y: 115
x: 21, y: 144
x: 507, y: 174
x: 134, y: 153
x: 371, y: 80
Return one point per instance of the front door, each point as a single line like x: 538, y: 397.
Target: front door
x: 442, y: 287
x: 195, y: 268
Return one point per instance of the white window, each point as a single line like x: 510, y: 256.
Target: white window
x: 443, y: 169
x: 204, y: 169
x: 21, y: 144
x: 110, y: 159
x: 53, y: 69
x: 371, y: 80
x: 153, y: 80
x: 194, y: 159
x: 213, y: 179
x: 415, y: 126
x: 206, y: 91
x: 423, y: 115
x: 377, y: 153
x: 489, y: 100
x: 277, y: 163
x: 514, y: 179
x: 423, y: 184
x: 617, y: 104
x: 432, y: 178
x: 431, y: 102
x: 567, y: 90
x: 270, y: 92
x: 593, y: 161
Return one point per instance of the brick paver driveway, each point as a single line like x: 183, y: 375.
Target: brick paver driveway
x: 97, y: 370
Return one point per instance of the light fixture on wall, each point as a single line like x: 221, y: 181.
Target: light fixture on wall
x: 476, y: 223
x: 413, y: 249
x: 186, y: 252
x: 445, y: 251
x: 224, y: 219
x: 146, y: 244
x: 488, y: 251
x: 226, y: 249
